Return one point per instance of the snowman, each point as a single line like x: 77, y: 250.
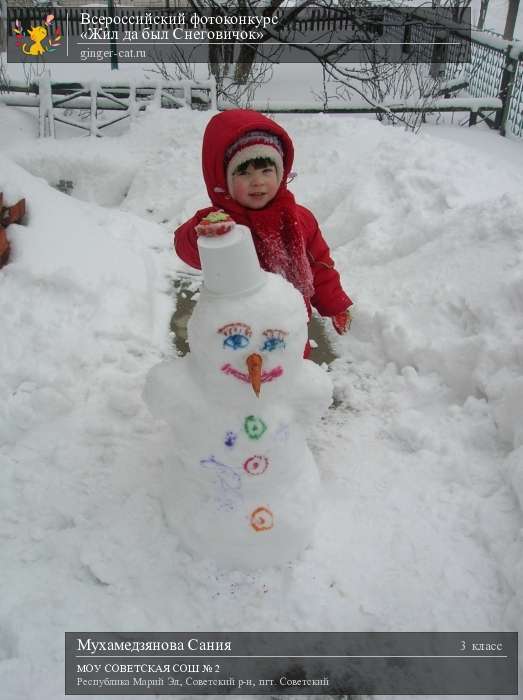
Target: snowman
x: 242, y: 487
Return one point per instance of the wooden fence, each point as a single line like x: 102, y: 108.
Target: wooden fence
x: 496, y: 69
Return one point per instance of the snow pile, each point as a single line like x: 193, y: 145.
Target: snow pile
x: 81, y: 306
x: 421, y: 517
x: 436, y: 256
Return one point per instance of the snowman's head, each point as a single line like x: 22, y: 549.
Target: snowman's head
x: 249, y: 344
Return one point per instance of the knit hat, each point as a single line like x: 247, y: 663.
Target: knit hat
x: 253, y: 144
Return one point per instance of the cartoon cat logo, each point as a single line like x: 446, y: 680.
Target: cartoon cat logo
x: 37, y: 35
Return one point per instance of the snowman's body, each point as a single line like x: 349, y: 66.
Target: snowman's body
x: 246, y: 487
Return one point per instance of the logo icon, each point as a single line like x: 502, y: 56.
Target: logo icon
x: 38, y: 39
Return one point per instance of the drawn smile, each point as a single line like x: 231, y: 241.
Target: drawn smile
x: 265, y: 376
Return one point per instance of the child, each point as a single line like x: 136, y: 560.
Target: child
x: 246, y: 160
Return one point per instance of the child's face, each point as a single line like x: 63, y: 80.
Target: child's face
x: 255, y: 187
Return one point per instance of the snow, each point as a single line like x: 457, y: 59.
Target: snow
x: 421, y: 511
x: 497, y: 42
x: 472, y: 104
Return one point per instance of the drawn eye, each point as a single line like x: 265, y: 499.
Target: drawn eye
x: 274, y: 340
x: 273, y: 344
x: 236, y: 334
x: 236, y: 341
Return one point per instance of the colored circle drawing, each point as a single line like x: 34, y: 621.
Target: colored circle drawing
x: 255, y: 465
x: 262, y: 519
x: 254, y: 427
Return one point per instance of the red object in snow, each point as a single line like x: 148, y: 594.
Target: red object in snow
x: 341, y: 322
x: 8, y: 215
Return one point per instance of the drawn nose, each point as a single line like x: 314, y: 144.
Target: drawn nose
x: 254, y: 365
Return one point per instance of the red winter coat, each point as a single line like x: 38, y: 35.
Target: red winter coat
x: 223, y: 130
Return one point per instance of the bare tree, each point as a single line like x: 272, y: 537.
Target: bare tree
x: 33, y: 71
x: 180, y: 66
x: 239, y: 68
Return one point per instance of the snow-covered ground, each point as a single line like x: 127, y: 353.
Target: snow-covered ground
x: 421, y: 459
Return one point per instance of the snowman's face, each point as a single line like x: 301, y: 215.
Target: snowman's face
x: 266, y: 331
x: 267, y: 345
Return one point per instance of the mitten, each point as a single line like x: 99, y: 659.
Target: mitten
x: 341, y: 322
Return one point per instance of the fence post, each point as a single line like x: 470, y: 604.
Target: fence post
x: 187, y: 93
x: 212, y: 92
x: 114, y: 55
x: 45, y: 113
x: 505, y: 90
x: 93, y: 86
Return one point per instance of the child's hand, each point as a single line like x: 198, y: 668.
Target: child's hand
x: 341, y: 322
